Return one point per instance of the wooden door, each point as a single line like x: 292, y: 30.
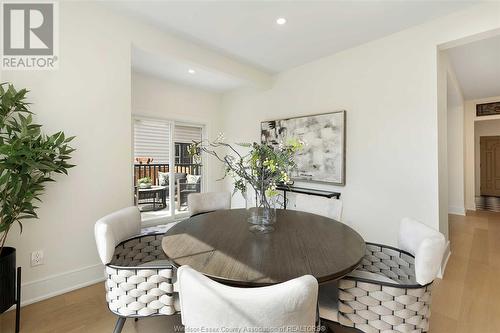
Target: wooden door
x: 490, y: 165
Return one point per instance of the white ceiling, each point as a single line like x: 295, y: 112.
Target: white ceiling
x: 246, y: 30
x: 477, y: 67
x: 178, y: 71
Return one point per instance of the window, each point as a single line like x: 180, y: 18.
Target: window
x: 182, y: 153
x: 177, y: 153
x: 152, y: 141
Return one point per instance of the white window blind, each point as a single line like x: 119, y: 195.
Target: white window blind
x: 152, y: 139
x: 187, y: 134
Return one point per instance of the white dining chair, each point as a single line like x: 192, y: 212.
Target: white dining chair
x: 327, y: 207
x: 139, y: 278
x: 391, y: 289
x: 206, y: 304
x: 199, y: 203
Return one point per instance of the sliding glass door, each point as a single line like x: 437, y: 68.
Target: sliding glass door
x: 187, y: 174
x: 164, y: 172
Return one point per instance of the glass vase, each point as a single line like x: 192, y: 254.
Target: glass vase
x: 262, y: 213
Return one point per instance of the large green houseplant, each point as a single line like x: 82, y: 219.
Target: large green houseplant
x: 28, y: 159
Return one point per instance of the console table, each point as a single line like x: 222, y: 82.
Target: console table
x: 308, y: 191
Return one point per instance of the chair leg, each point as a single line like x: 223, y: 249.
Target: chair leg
x: 119, y: 324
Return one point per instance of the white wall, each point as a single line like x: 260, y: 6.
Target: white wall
x: 471, y: 184
x: 389, y: 89
x: 90, y: 97
x: 157, y: 98
x: 455, y: 146
x: 442, y: 144
x: 456, y: 191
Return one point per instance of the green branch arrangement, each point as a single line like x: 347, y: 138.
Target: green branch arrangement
x: 262, y: 168
x: 28, y: 159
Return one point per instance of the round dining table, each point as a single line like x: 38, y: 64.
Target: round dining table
x: 220, y: 245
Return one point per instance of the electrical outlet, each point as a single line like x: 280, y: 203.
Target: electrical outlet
x: 36, y: 258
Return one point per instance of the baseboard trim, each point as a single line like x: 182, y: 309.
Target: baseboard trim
x: 446, y: 257
x: 456, y: 210
x: 58, y: 284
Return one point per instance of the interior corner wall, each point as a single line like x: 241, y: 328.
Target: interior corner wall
x: 158, y: 98
x: 469, y: 167
x: 455, y: 145
x: 442, y: 124
x: 456, y: 176
x: 472, y: 180
x: 390, y: 91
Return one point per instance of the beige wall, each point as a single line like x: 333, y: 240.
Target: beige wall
x: 471, y: 182
x: 157, y: 98
x: 389, y: 88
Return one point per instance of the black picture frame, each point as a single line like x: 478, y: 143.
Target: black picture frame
x: 488, y: 109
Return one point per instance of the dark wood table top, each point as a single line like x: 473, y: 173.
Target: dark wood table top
x: 220, y: 245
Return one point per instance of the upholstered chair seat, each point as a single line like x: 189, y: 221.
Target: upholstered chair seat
x: 391, y: 290
x: 140, y: 279
x: 199, y: 203
x: 214, y: 307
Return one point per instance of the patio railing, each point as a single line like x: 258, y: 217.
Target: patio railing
x: 151, y: 170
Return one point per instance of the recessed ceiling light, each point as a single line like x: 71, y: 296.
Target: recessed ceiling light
x: 191, y: 71
x: 281, y: 20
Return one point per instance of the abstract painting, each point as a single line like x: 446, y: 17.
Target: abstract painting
x: 323, y: 157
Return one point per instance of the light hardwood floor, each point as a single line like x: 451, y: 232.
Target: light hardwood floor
x: 466, y: 300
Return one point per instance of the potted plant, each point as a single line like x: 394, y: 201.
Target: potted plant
x: 144, y: 182
x: 262, y: 168
x: 28, y: 159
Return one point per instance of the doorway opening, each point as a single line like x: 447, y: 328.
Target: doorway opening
x: 472, y: 69
x: 164, y: 171
x: 487, y: 164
